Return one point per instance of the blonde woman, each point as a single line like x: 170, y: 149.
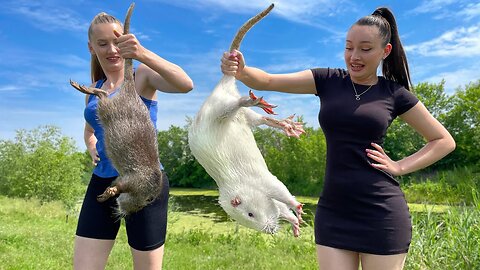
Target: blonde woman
x: 97, y: 226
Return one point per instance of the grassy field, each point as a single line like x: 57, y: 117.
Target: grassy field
x: 34, y: 236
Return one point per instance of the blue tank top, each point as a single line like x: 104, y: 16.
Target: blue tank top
x: 105, y: 167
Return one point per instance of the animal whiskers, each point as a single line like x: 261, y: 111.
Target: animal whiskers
x: 271, y: 226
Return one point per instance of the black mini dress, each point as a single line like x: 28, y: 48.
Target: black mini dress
x: 361, y: 208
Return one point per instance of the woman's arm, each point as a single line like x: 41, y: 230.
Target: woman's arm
x: 160, y: 74
x: 90, y: 141
x: 439, y: 144
x: 298, y: 83
x: 154, y: 72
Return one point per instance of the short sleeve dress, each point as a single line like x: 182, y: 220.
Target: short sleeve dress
x: 361, y: 208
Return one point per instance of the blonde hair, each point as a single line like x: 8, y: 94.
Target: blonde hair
x: 96, y: 71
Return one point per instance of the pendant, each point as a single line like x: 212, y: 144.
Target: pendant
x: 357, y: 97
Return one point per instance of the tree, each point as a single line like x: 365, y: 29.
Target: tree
x: 182, y: 168
x: 463, y: 122
x: 42, y: 164
x: 401, y: 139
x: 298, y: 163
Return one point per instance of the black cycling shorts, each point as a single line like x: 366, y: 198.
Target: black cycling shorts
x: 146, y: 229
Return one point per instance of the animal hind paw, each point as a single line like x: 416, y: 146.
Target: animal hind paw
x: 107, y: 194
x: 88, y: 90
x: 287, y: 125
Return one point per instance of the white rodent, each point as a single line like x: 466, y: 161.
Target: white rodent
x: 221, y: 139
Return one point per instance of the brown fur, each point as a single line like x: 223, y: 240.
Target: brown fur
x: 130, y: 140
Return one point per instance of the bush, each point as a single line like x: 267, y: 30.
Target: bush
x: 41, y: 164
x: 457, y: 186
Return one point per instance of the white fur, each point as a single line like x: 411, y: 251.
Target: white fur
x: 222, y: 141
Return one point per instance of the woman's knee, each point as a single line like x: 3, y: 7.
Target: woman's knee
x: 336, y: 259
x: 151, y: 259
x: 379, y: 262
x: 90, y: 253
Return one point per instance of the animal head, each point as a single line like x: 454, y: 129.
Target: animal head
x: 251, y: 208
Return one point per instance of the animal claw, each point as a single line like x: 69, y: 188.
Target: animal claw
x: 88, y: 90
x: 107, y: 194
x: 267, y: 107
x: 299, y: 211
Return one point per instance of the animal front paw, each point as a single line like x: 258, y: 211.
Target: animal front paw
x: 299, y: 211
x: 253, y: 100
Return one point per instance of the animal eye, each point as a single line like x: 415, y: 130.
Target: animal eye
x: 250, y: 214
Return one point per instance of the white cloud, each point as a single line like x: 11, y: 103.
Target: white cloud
x: 471, y: 11
x: 456, y: 78
x: 140, y: 35
x: 460, y: 42
x: 10, y: 88
x: 300, y: 11
x: 47, y: 16
x: 431, y: 6
x: 443, y: 9
x: 292, y: 65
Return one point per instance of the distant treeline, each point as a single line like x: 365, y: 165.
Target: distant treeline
x: 45, y: 164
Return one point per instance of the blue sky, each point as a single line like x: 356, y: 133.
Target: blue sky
x: 44, y: 45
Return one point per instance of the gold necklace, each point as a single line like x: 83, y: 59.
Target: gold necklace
x: 357, y: 95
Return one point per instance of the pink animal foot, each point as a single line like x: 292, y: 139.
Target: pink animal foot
x: 107, y: 194
x: 299, y: 211
x: 260, y: 102
x: 289, y: 127
x: 295, y: 225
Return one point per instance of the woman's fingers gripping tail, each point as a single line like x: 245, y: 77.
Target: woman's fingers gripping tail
x: 232, y: 63
x: 129, y: 45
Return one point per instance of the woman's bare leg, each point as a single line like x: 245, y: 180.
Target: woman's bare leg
x: 381, y: 262
x: 146, y: 260
x: 91, y: 254
x: 336, y: 259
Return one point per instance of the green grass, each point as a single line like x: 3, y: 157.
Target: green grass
x: 35, y: 236
x: 193, y: 191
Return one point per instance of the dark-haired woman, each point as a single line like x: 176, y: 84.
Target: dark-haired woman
x: 362, y: 216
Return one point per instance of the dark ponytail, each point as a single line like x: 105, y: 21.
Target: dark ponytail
x: 395, y: 66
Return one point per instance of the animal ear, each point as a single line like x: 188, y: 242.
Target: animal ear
x: 235, y: 202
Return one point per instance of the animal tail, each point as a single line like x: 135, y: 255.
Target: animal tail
x: 128, y: 61
x: 247, y: 26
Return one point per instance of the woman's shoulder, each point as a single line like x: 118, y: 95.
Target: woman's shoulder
x: 392, y: 86
x: 329, y: 73
x: 403, y: 98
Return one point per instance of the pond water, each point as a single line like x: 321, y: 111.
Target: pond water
x: 208, y: 206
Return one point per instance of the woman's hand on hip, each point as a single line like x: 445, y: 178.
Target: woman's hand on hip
x: 383, y: 161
